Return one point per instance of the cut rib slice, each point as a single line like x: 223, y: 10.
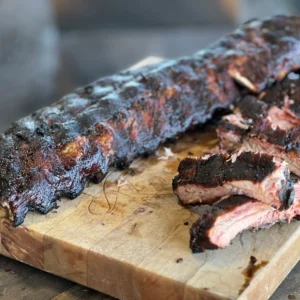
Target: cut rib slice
x: 235, y: 214
x: 228, y: 218
x: 257, y: 175
x: 263, y: 137
x: 269, y: 123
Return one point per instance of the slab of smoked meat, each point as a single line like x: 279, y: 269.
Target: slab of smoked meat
x: 218, y: 227
x: 269, y: 122
x: 257, y: 175
x: 53, y: 152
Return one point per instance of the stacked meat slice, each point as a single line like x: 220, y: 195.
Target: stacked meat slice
x: 247, y: 190
x: 235, y: 214
x: 208, y: 179
x: 269, y: 122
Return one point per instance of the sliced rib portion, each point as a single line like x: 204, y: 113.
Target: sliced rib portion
x: 219, y: 227
x: 269, y: 122
x: 284, y: 144
x: 228, y: 218
x: 285, y: 95
x: 257, y: 175
x: 261, y: 136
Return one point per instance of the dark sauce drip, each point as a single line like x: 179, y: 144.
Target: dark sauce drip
x: 250, y: 271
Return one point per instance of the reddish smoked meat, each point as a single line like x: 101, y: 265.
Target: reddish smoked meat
x: 228, y: 218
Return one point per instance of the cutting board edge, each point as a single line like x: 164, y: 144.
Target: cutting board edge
x: 25, y: 237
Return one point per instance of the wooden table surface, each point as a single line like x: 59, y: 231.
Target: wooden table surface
x: 19, y: 281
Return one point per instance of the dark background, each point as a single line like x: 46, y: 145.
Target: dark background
x: 48, y: 47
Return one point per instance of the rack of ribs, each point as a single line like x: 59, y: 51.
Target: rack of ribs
x: 54, y: 151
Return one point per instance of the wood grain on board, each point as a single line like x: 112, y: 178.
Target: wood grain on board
x: 128, y: 237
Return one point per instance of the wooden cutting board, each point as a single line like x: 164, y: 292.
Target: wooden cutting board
x: 128, y: 237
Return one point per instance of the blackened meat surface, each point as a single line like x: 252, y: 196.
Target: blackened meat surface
x: 289, y: 140
x: 251, y: 108
x: 257, y: 175
x: 268, y: 122
x: 285, y: 93
x: 53, y: 152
